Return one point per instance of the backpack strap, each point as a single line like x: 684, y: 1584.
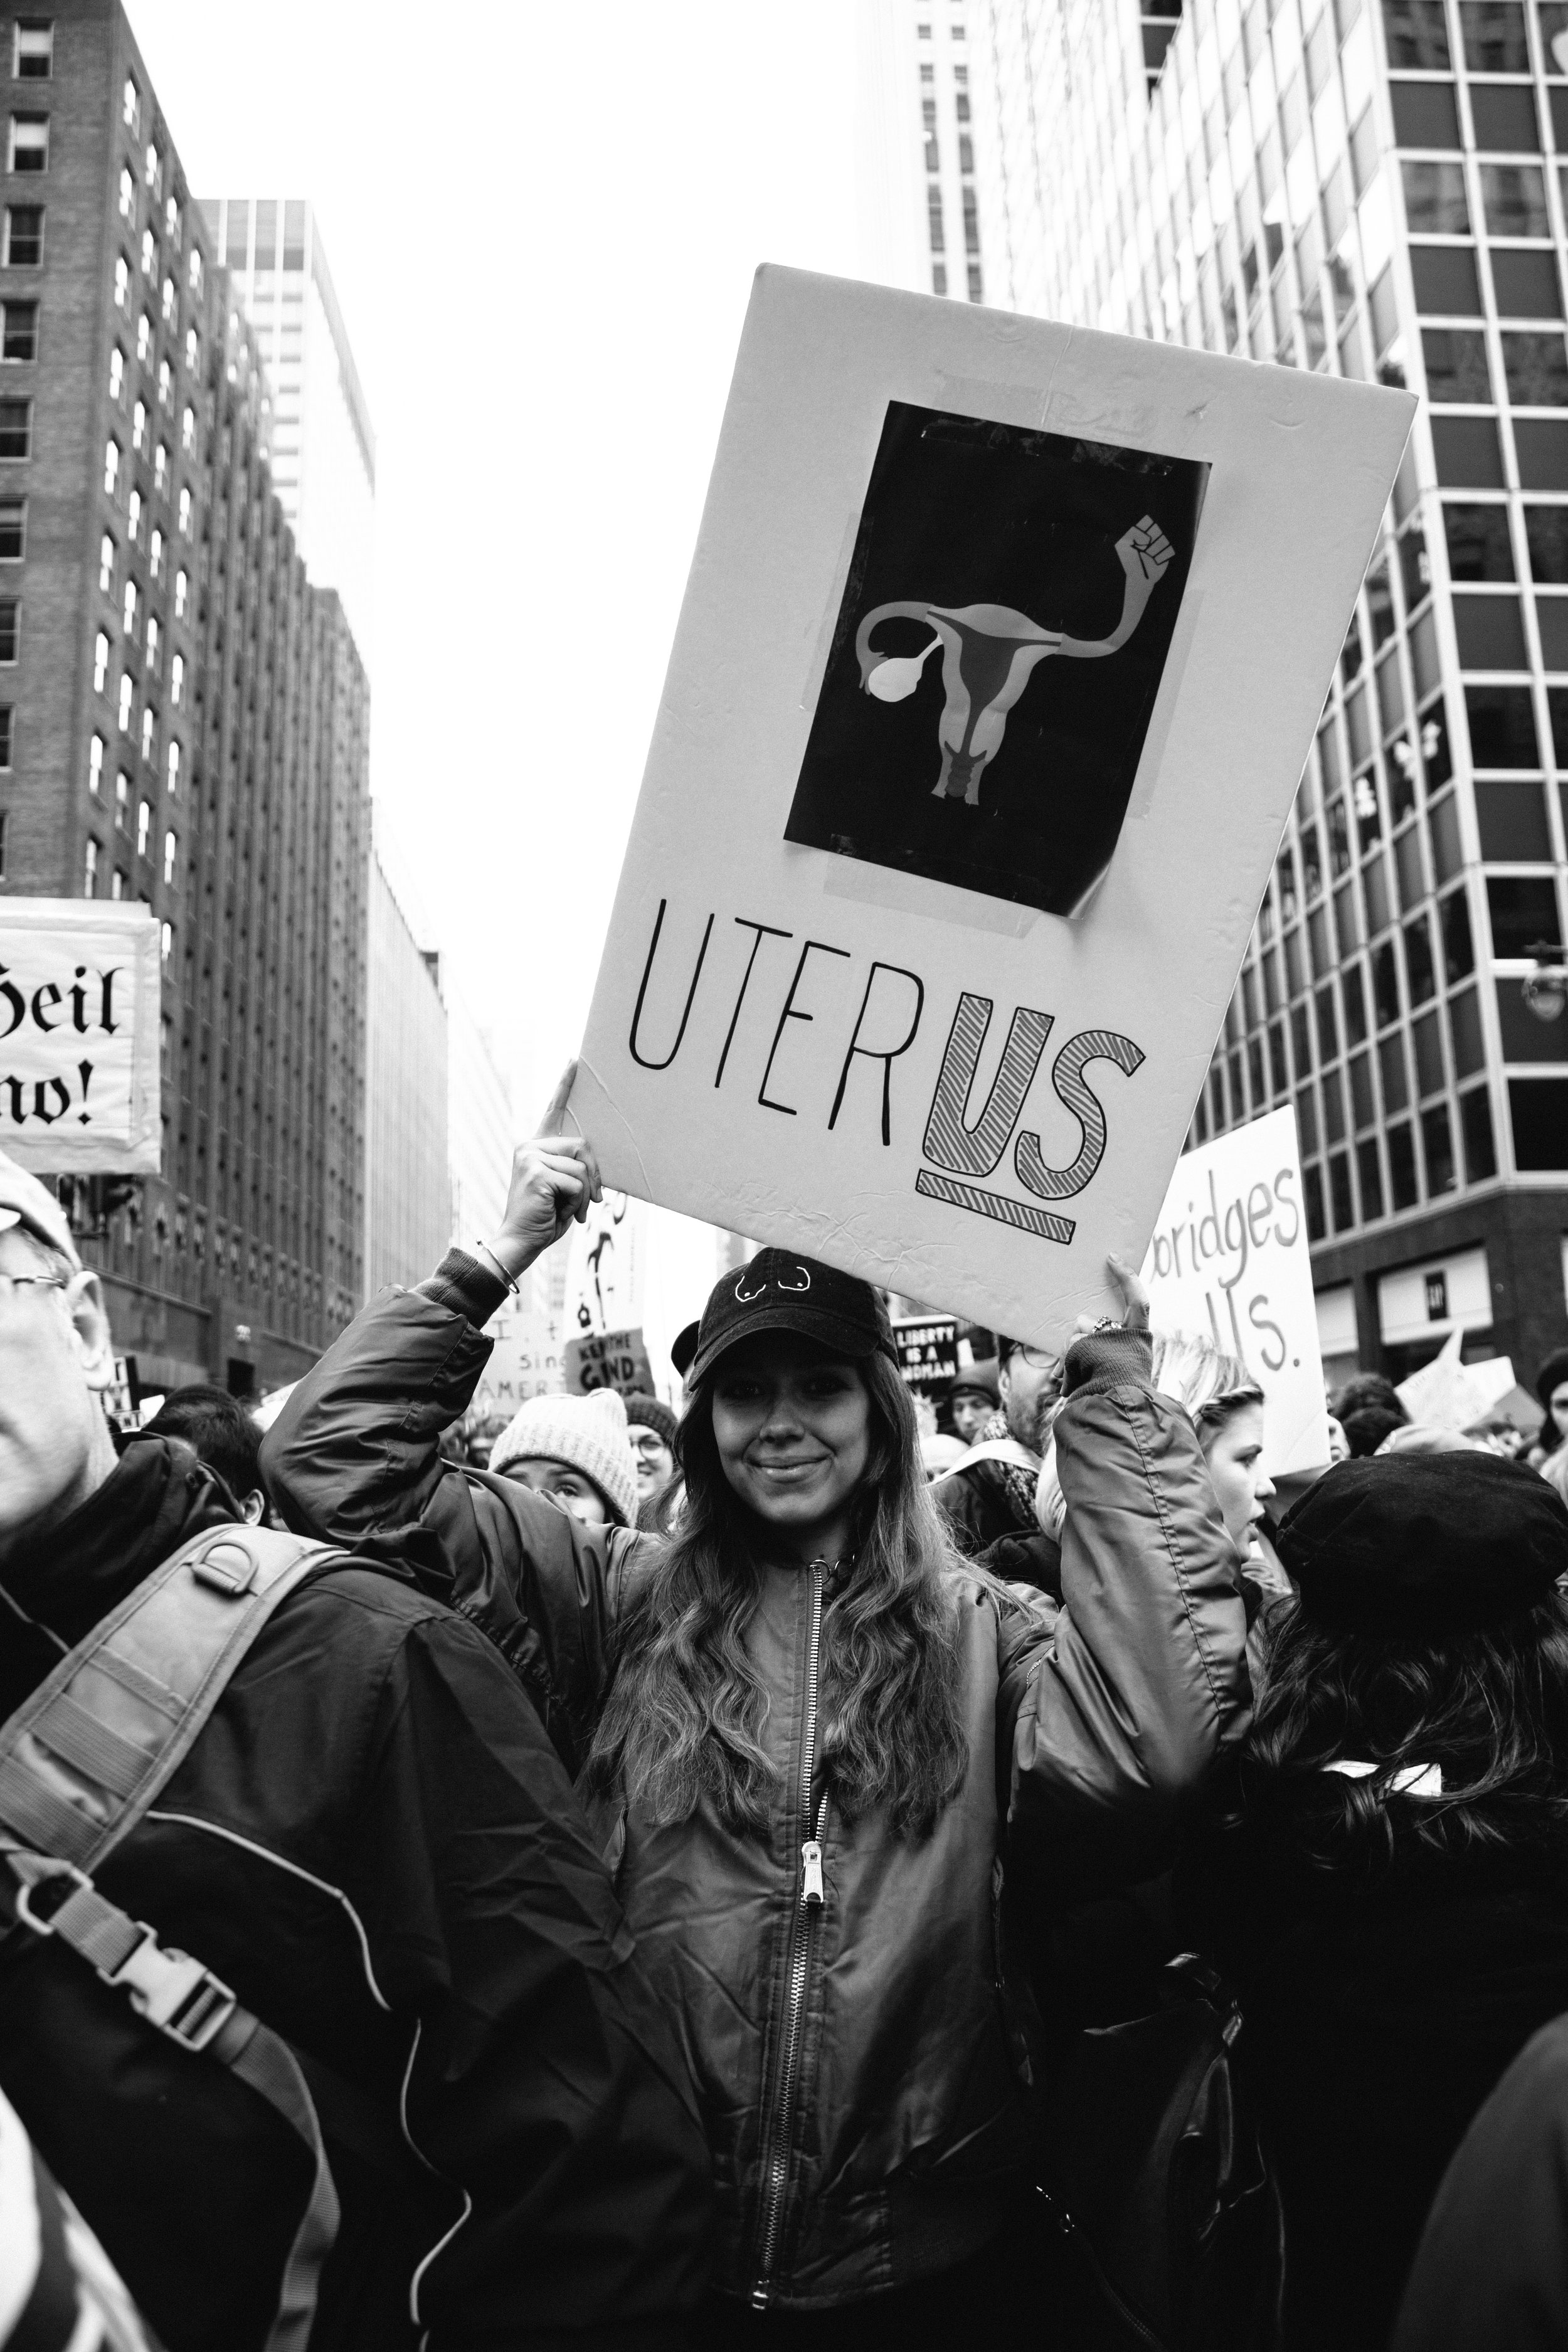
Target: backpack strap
x: 81, y: 1760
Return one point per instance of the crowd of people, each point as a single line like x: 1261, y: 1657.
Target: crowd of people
x: 734, y: 1878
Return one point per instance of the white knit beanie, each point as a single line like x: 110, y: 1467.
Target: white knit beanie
x: 586, y: 1434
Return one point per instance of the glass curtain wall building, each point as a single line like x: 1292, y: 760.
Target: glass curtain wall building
x: 1369, y: 188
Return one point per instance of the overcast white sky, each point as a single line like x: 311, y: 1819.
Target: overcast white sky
x: 541, y: 220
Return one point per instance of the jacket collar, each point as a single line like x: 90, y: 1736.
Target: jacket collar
x: 156, y: 1498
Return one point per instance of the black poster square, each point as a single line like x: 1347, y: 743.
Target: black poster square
x: 1005, y: 628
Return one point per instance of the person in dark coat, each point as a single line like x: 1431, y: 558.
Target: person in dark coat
x: 1379, y: 1869
x: 1491, y: 2273
x: 819, y: 1749
x: 991, y: 1494
x: 373, y: 1845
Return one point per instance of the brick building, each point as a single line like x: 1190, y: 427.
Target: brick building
x: 183, y: 718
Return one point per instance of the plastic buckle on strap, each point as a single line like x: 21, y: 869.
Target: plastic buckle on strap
x: 173, y: 1992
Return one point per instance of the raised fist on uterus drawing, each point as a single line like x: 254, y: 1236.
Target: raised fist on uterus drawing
x: 988, y: 654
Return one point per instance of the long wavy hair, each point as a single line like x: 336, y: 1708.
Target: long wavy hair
x: 1489, y: 1707
x: 685, y: 1715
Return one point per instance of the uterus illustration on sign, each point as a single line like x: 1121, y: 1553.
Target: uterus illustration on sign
x: 989, y: 653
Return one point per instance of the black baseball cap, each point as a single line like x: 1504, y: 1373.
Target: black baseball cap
x: 1424, y: 1544
x: 780, y: 1292
x: 683, y: 1346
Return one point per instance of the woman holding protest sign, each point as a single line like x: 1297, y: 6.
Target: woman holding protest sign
x: 806, y: 1731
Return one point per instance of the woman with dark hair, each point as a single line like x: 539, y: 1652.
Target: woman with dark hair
x: 1550, y: 1455
x: 1380, y: 1866
x: 806, y: 1731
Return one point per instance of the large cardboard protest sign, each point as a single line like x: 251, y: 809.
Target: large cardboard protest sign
x: 79, y: 1001
x: 997, y: 669
x: 1229, y: 1263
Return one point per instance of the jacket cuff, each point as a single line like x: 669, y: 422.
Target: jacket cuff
x: 1105, y: 1360
x: 466, y: 1285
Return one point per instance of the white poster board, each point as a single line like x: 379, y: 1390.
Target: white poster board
x: 1450, y: 1394
x: 1229, y: 1263
x: 80, y: 1006
x: 999, y: 662
x: 525, y: 1360
x: 604, y: 1269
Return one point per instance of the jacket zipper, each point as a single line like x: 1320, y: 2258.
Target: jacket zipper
x: 808, y: 1905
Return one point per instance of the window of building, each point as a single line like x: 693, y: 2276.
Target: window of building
x: 127, y: 193
x: 1434, y: 199
x: 122, y: 802
x: 13, y: 529
x: 99, y: 662
x: 153, y: 644
x: 193, y: 351
x: 33, y: 48
x: 139, y: 425
x: 165, y: 385
x: 176, y: 686
x: 95, y: 751
x: 29, y: 142
x: 195, y: 272
x: 117, y: 376
x: 121, y: 282
x: 143, y: 827
x: 154, y: 170
x: 171, y: 302
x: 166, y: 940
x: 188, y: 429
x: 134, y: 517
x: 1523, y: 909
x: 971, y: 222
x: 106, y: 554
x: 15, y: 430
x: 976, y: 284
x: 1546, y: 528
x: 173, y: 767
x: 161, y: 469
x: 7, y: 717
x: 130, y: 105
x: 961, y: 105
x: 144, y: 338
x: 116, y: 884
x: 90, y: 871
x: 174, y: 225
x: 126, y: 691
x: 1479, y: 546
x: 170, y: 854
x: 149, y: 733
x: 1515, y: 198
x: 23, y: 237
x: 130, y: 608
x: 10, y: 628
x: 148, y: 255
x: 1494, y: 36
x: 19, y: 329
x: 1536, y: 367
x: 180, y: 590
x: 156, y: 554
x: 184, y: 511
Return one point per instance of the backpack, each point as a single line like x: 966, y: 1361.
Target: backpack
x: 96, y: 2010
x: 1154, y: 2176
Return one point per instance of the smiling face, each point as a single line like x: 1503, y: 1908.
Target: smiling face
x: 655, y: 1462
x: 793, y: 1428
x: 1241, y: 1483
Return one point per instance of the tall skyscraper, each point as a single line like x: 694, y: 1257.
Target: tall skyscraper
x: 920, y: 211
x: 407, y: 1187
x: 1365, y: 189
x: 479, y: 1133
x: 322, y: 444
x: 183, y: 718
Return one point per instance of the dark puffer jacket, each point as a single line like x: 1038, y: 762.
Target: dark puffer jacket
x: 861, y: 2063
x: 373, y: 1844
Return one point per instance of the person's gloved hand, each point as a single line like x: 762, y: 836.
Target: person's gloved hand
x: 25, y: 1202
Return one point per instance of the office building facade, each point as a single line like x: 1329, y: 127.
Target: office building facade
x: 916, y: 140
x: 1369, y: 188
x: 323, y: 442
x: 407, y: 1182
x: 479, y: 1133
x: 183, y: 718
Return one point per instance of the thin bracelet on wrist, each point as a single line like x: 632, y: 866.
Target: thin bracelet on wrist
x: 486, y: 1251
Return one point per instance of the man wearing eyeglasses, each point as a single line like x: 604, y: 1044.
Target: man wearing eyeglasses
x: 375, y: 1847
x: 991, y: 1493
